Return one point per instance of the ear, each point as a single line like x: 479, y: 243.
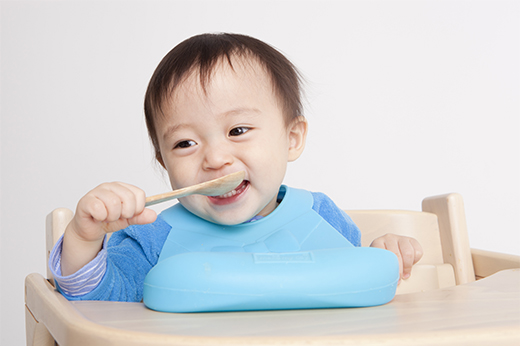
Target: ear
x: 297, y: 132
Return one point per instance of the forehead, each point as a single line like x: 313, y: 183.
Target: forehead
x: 238, y: 80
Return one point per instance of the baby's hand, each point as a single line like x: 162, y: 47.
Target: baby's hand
x: 106, y: 209
x: 109, y: 208
x: 408, y: 251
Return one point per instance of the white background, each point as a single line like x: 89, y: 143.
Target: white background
x: 405, y: 99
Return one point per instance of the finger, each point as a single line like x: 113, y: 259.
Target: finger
x: 388, y: 242
x: 393, y: 246
x: 379, y: 243
x: 418, y: 250
x: 139, y: 197
x: 408, y: 256
x: 92, y: 208
x: 138, y: 214
x: 113, y: 204
x: 101, y: 205
x: 122, y: 199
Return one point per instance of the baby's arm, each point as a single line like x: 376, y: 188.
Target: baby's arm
x: 408, y: 251
x: 106, y: 209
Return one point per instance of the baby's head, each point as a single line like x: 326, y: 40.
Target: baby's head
x: 221, y: 103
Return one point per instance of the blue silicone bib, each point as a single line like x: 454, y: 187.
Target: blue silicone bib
x: 291, y: 259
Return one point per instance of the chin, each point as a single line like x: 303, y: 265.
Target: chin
x: 227, y: 221
x: 227, y: 218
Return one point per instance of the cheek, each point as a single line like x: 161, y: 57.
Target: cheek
x: 190, y: 203
x: 179, y: 173
x: 275, y: 146
x: 275, y: 152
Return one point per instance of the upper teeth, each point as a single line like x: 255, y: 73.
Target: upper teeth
x: 238, y: 189
x: 229, y: 194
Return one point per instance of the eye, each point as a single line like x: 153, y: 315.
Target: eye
x: 184, y: 144
x: 237, y: 131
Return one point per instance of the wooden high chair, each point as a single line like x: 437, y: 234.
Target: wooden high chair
x: 440, y: 304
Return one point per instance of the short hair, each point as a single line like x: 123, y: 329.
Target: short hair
x: 200, y: 54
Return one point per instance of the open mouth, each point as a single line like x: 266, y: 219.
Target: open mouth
x: 231, y: 197
x: 237, y: 191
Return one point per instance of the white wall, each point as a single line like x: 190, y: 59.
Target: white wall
x: 406, y: 99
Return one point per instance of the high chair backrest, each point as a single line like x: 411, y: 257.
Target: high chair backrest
x: 440, y: 228
x: 454, y: 236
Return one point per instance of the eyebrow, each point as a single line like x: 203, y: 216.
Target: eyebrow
x: 172, y: 129
x: 242, y: 110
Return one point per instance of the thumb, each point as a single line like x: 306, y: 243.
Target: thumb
x: 147, y: 216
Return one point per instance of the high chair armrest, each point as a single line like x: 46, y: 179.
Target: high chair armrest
x: 487, y: 263
x: 55, y: 225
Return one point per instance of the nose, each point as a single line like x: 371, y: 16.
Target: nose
x: 217, y: 157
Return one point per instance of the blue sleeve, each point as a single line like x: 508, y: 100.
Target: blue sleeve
x: 336, y: 217
x: 131, y: 253
x: 84, y: 280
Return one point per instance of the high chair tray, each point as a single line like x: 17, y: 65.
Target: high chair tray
x: 485, y: 312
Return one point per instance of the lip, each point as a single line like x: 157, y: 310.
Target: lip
x: 237, y: 193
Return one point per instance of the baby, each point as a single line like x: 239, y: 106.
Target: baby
x: 216, y: 104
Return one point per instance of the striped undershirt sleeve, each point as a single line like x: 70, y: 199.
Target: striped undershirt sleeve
x: 84, y: 280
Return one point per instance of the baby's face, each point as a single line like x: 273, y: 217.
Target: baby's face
x: 237, y: 125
